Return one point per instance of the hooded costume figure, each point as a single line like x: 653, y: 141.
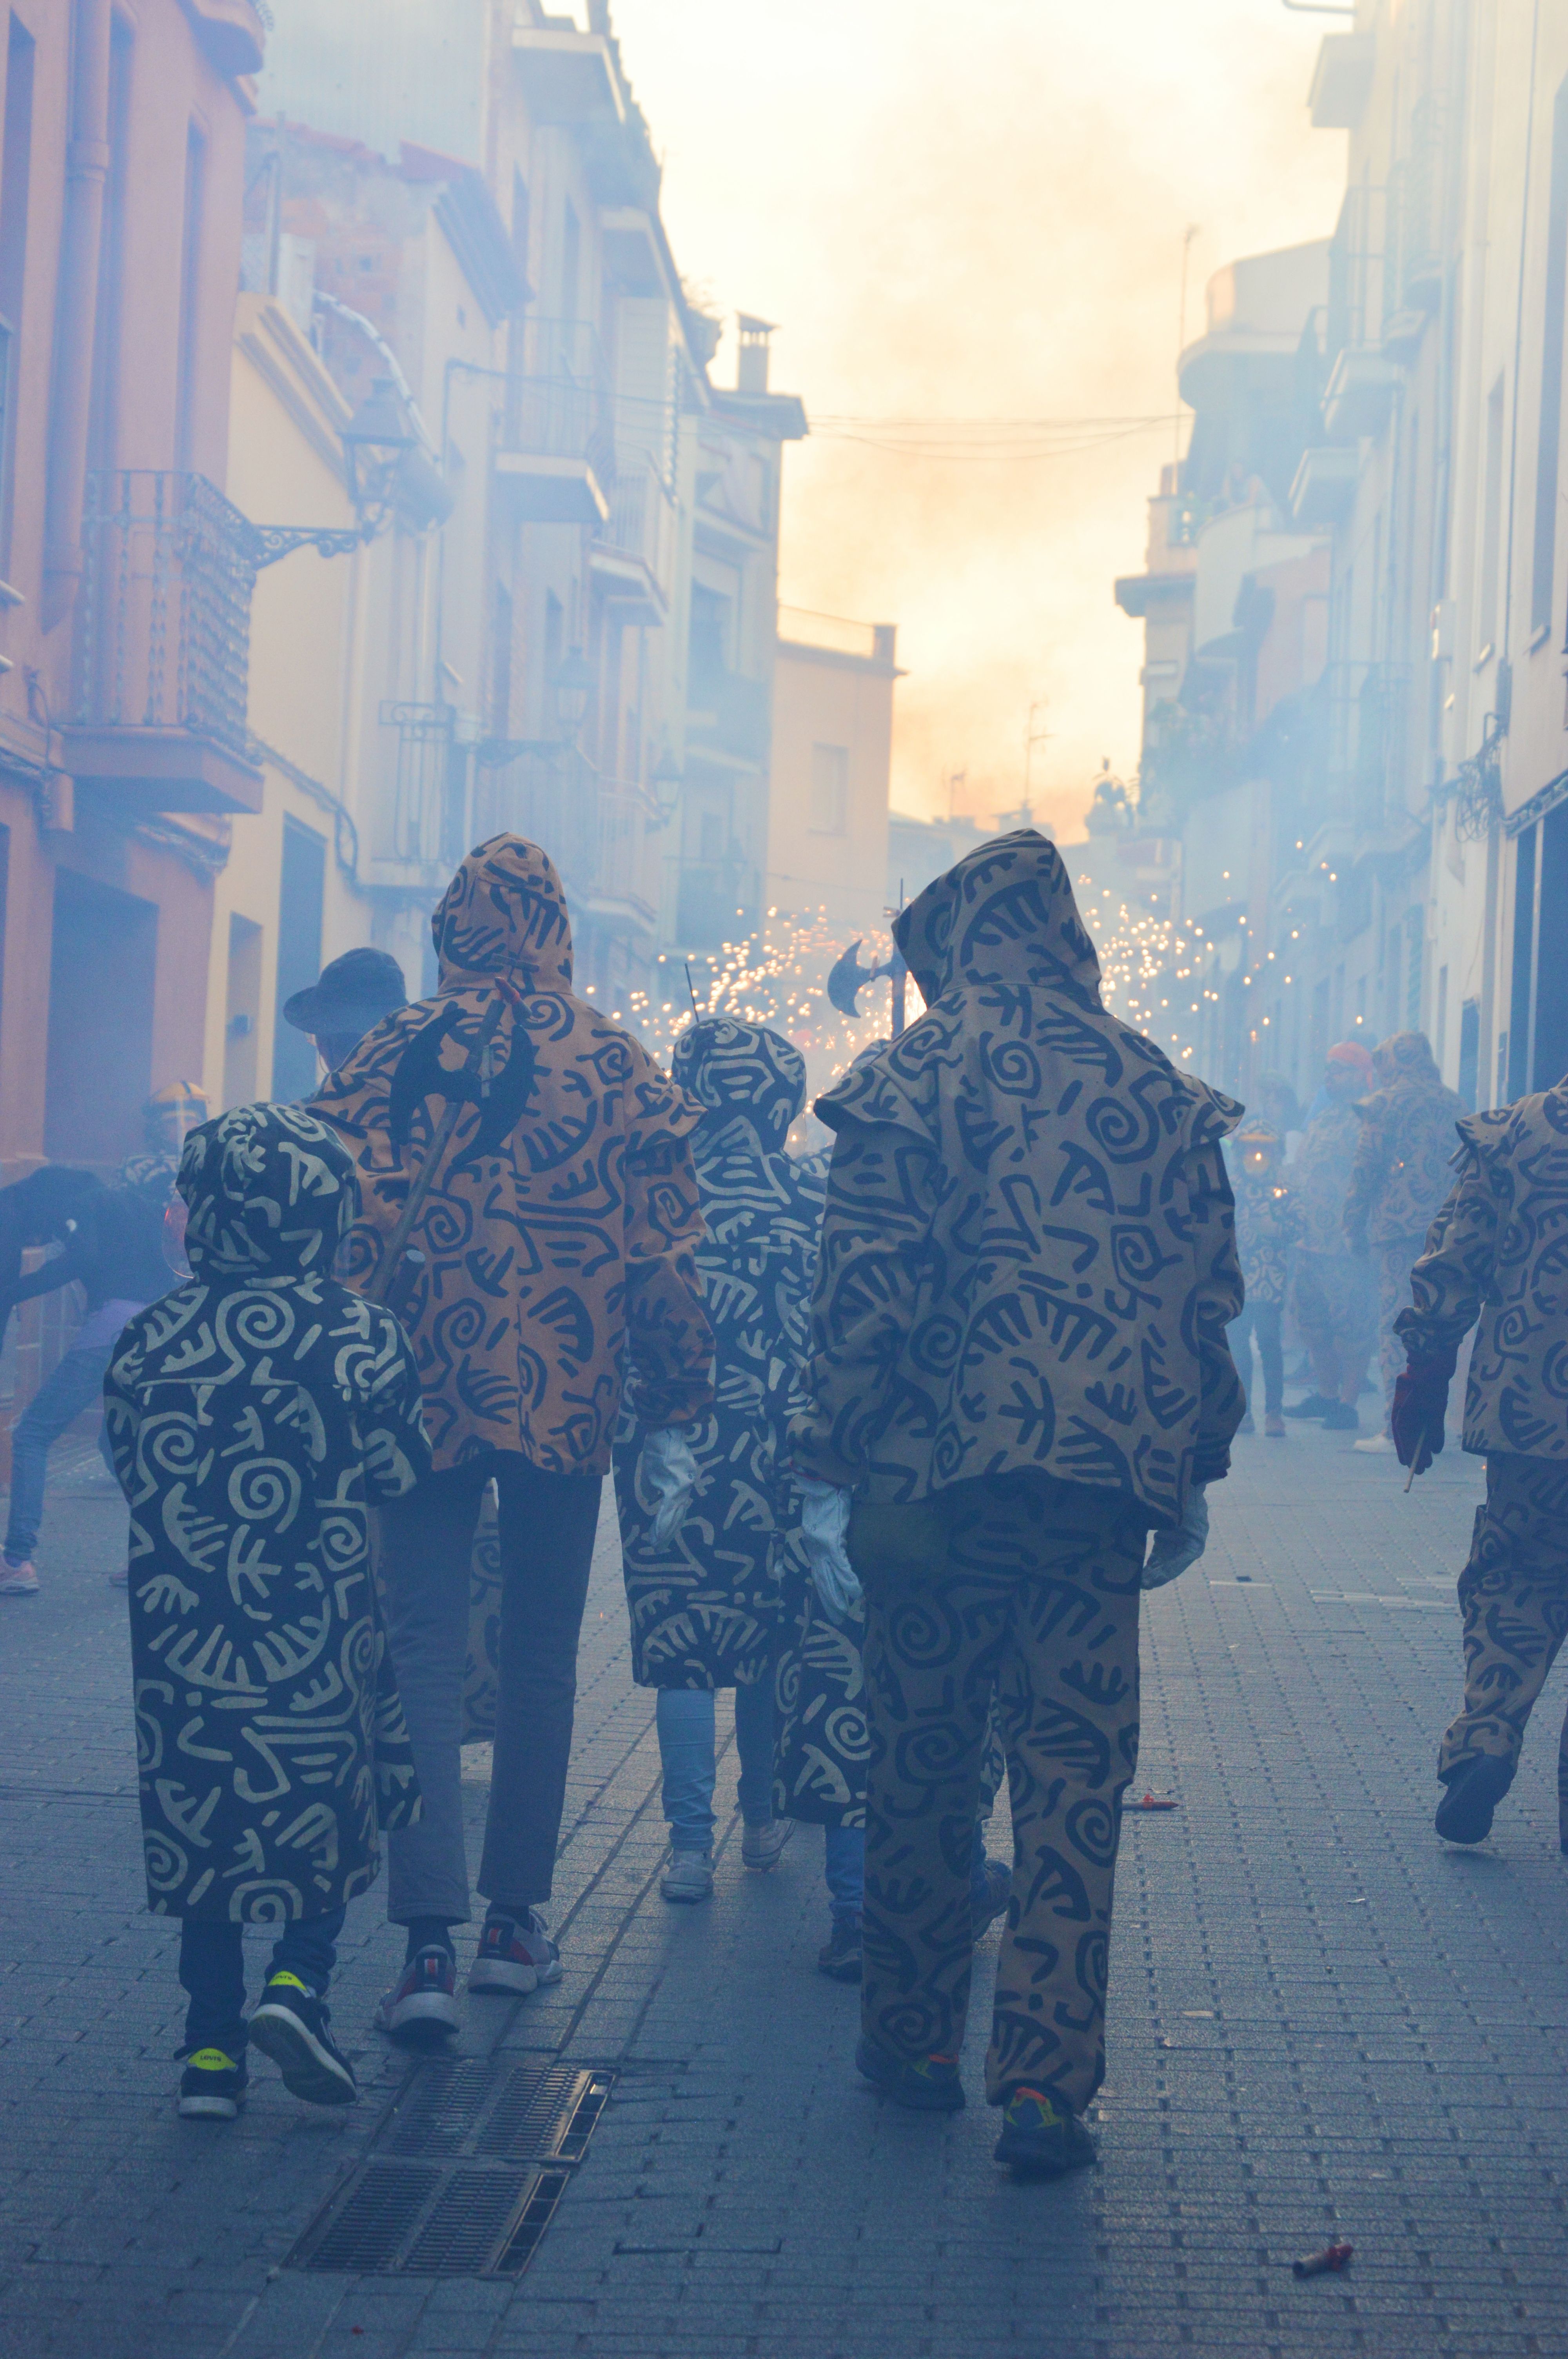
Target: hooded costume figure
x: 1018, y: 1366
x: 558, y: 1241
x: 1399, y: 1177
x: 255, y: 1415
x: 1494, y: 1261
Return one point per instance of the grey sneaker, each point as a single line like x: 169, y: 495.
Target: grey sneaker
x: 760, y: 1844
x: 688, y: 1876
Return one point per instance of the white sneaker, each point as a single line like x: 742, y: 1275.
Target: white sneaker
x: 761, y: 1845
x: 18, y: 1580
x: 515, y: 1956
x: 688, y: 1876
x: 1372, y: 1444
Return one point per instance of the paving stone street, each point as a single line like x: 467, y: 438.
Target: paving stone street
x: 1323, y: 2024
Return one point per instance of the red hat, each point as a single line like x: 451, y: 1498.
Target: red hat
x: 1351, y: 1052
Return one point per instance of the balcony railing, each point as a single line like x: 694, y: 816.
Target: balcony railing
x: 560, y: 405
x: 595, y: 828
x: 164, y: 617
x: 642, y: 522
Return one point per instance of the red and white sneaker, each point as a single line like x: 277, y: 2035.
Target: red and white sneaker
x: 515, y: 1956
x: 18, y: 1580
x: 422, y: 2008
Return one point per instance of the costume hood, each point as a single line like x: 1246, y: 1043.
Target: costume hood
x: 1005, y: 914
x: 504, y: 913
x: 1405, y: 1056
x: 750, y: 1083
x: 271, y: 1194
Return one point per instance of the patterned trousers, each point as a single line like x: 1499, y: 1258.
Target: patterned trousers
x: 1037, y: 1605
x: 1395, y: 1259
x: 1513, y: 1594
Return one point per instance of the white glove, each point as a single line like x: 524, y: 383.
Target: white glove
x: 823, y: 1523
x: 1172, y: 1553
x: 670, y: 1472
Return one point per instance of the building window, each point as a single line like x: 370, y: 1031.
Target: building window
x: 189, y: 302
x: 299, y: 914
x: 243, y: 1013
x: 1548, y: 444
x: 15, y: 177
x: 829, y: 789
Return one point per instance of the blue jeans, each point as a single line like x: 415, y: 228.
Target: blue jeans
x: 685, y: 1719
x: 212, y: 1972
x: 59, y: 1402
x: 846, y: 1870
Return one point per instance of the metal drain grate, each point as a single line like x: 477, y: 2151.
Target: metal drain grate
x: 453, y: 2186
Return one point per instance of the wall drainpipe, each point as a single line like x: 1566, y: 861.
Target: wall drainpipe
x: 86, y: 175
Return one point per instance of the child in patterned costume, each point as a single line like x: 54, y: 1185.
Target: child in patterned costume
x: 1018, y: 1368
x: 1494, y: 1261
x: 708, y: 1602
x: 1267, y: 1226
x: 255, y: 1415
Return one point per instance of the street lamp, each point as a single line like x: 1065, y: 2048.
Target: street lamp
x: 376, y: 441
x: 666, y: 780
x: 574, y: 684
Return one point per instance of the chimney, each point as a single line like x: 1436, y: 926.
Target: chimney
x: 751, y: 366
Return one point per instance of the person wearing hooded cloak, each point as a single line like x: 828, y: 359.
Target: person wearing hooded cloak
x: 1399, y: 1178
x: 708, y: 1603
x: 1018, y: 1368
x: 1494, y: 1261
x: 256, y: 1414
x: 558, y: 1273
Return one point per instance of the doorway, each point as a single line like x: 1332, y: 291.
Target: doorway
x: 102, y: 966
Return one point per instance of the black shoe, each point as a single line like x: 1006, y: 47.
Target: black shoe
x: 1041, y: 2137
x: 1339, y: 1418
x: 990, y: 1901
x: 1315, y: 1405
x: 290, y: 2025
x: 930, y: 2084
x: 212, y: 2086
x: 840, y: 1955
x: 1475, y: 1789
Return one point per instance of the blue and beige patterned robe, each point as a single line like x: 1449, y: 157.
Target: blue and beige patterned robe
x: 255, y: 1415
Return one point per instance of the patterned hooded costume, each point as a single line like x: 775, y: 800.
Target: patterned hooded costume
x: 560, y: 1232
x: 1494, y: 1260
x: 707, y: 1610
x: 1019, y: 1364
x: 255, y: 1415
x: 1399, y: 1177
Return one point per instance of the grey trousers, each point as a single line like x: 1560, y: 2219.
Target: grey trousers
x: 546, y: 1532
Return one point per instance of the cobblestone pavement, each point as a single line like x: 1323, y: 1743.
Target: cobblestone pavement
x: 1323, y: 2024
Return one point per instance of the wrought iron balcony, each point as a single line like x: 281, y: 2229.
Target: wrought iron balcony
x: 595, y: 828
x: 559, y: 443
x: 162, y: 649
x: 634, y: 550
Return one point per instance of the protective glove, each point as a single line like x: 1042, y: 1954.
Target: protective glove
x: 1420, y: 1409
x: 670, y: 1472
x: 824, y: 1523
x: 1170, y: 1552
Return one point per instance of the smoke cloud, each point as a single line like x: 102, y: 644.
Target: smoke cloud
x: 976, y: 212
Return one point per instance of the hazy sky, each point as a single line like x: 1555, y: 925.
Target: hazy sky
x: 974, y: 210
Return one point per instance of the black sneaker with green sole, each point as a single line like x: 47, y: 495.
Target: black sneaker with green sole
x: 1042, y: 2137
x: 289, y: 2025
x: 212, y: 2086
x: 926, y: 2084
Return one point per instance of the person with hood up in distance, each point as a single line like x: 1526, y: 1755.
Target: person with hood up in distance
x: 1267, y: 1226
x: 1398, y: 1180
x: 558, y: 1245
x: 1334, y: 1300
x: 707, y: 1601
x: 1494, y: 1260
x: 255, y: 1415
x: 1019, y: 1369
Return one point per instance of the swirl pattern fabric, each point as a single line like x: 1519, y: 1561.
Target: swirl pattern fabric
x: 1039, y: 1606
x: 255, y: 1415
x: 706, y: 1608
x: 1267, y: 1224
x: 1497, y: 1253
x: 1403, y: 1166
x: 1029, y: 1256
x: 560, y: 1235
x: 1513, y: 1596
